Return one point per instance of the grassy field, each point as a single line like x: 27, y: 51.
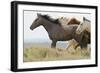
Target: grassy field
x: 50, y: 54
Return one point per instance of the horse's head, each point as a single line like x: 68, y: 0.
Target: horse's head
x: 79, y: 28
x: 36, y: 22
x: 83, y: 26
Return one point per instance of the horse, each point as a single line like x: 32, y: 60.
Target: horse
x: 85, y: 25
x: 56, y: 32
x: 68, y: 21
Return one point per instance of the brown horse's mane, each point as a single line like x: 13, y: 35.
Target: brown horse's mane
x: 56, y: 21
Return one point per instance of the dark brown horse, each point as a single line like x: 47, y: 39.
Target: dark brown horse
x: 56, y: 32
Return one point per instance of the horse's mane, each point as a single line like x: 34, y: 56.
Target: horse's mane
x: 56, y: 21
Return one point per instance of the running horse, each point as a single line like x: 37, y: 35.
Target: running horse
x: 56, y: 32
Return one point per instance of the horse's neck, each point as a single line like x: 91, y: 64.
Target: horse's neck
x: 48, y: 25
x: 88, y: 26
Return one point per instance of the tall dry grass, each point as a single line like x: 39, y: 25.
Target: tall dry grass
x: 50, y: 54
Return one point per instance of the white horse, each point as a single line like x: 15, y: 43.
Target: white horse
x: 85, y: 25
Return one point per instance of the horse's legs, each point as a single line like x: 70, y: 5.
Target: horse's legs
x: 53, y: 45
x: 76, y: 46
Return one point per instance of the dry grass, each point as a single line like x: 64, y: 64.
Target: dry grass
x: 51, y: 54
